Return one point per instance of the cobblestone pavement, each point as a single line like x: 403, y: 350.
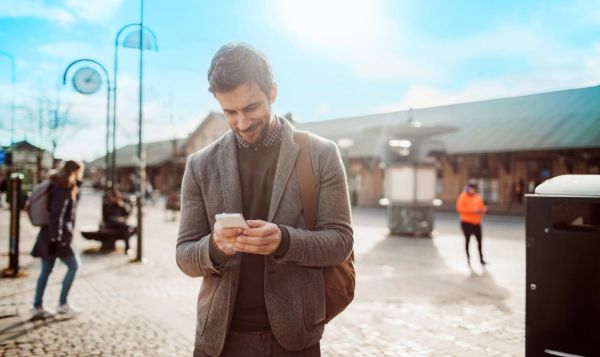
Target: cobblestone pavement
x: 415, y: 296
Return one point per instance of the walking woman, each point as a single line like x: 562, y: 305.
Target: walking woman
x: 54, y: 239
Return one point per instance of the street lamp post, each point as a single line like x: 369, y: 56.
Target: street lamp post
x: 140, y: 149
x: 13, y: 80
x: 143, y: 44
x: 86, y: 81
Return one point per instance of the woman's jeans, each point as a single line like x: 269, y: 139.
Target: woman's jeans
x: 47, y: 266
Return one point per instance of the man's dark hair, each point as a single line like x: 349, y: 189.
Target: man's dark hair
x: 236, y: 64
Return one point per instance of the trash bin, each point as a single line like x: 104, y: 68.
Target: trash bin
x: 411, y: 219
x: 562, y: 307
x: 410, y: 190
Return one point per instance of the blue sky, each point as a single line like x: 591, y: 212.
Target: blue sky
x: 331, y: 59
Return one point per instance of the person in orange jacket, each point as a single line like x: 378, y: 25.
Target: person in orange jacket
x: 471, y: 208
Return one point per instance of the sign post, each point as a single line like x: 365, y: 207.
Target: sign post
x: 15, y: 185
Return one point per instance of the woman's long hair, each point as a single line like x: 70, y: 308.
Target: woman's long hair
x: 67, y: 171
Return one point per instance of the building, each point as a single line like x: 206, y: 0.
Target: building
x: 33, y: 162
x: 165, y: 159
x: 210, y: 129
x: 509, y: 145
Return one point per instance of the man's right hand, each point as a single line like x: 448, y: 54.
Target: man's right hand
x: 224, y: 238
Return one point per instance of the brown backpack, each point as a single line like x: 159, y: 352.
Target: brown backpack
x: 340, y: 280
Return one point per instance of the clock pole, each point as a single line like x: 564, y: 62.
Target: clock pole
x: 87, y: 81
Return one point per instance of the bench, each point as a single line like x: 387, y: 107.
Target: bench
x: 109, y: 236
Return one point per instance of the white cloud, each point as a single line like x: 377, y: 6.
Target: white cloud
x: 322, y: 110
x: 367, y: 39
x: 90, y: 110
x: 585, y: 12
x: 67, y: 49
x: 95, y: 11
x: 362, y: 35
x: 592, y: 65
x: 36, y: 9
x: 421, y: 96
x: 357, y: 33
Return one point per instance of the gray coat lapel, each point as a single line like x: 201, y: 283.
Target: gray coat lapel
x: 285, y: 166
x: 230, y: 176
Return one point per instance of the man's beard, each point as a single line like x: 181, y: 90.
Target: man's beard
x: 263, y: 131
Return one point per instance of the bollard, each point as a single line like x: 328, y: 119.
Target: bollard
x: 15, y: 185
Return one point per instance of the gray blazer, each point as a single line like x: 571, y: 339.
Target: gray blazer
x: 294, y: 289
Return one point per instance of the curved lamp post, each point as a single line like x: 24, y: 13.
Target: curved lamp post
x: 87, y: 81
x: 129, y: 42
x: 141, y: 156
x: 13, y: 79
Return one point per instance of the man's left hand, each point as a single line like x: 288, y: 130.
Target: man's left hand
x: 261, y: 238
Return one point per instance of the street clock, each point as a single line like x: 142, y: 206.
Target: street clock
x: 87, y: 80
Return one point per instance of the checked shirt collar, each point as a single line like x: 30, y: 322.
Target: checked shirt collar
x: 273, y: 137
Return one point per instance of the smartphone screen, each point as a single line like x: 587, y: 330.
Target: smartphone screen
x: 231, y: 220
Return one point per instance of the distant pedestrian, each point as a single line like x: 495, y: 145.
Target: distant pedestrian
x: 471, y: 209
x: 173, y: 204
x: 3, y: 188
x: 54, y: 239
x: 115, y: 212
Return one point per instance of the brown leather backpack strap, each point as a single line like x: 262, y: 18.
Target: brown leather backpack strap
x: 306, y: 180
x: 340, y: 280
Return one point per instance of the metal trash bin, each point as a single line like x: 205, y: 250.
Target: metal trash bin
x: 410, y: 191
x: 411, y: 219
x: 562, y: 307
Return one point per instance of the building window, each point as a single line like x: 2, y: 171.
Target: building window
x: 489, y: 189
x: 537, y: 172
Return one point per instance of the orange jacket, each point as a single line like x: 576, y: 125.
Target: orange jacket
x: 470, y: 208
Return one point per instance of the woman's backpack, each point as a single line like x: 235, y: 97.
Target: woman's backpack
x: 38, y: 203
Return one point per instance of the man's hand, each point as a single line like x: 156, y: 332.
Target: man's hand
x: 262, y: 238
x: 225, y: 238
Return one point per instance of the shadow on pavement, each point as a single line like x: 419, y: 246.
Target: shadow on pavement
x: 20, y: 328
x: 484, y: 286
x: 95, y: 264
x: 410, y: 270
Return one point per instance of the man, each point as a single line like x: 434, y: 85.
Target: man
x: 115, y: 212
x: 262, y: 292
x: 471, y: 208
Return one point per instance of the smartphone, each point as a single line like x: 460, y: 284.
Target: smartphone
x: 232, y: 220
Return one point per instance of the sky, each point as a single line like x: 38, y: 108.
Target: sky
x: 330, y: 59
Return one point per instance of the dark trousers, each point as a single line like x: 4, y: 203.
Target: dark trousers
x: 468, y: 230
x: 259, y: 344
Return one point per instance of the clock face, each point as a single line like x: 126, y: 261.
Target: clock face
x: 87, y: 80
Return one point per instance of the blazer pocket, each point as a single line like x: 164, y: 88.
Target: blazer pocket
x: 314, y: 297
x: 205, y: 299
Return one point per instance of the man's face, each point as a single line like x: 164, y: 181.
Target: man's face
x: 248, y: 111
x: 471, y: 190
